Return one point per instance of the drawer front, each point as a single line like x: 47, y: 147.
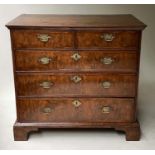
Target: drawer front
x: 76, y: 110
x: 124, y: 61
x: 51, y: 85
x: 108, y: 39
x: 42, y: 39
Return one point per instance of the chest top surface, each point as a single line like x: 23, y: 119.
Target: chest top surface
x: 76, y: 21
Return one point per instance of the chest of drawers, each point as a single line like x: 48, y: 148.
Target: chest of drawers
x: 76, y: 71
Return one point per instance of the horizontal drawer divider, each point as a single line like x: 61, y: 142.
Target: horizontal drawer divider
x: 76, y: 49
x: 76, y: 71
x: 69, y: 96
x: 81, y: 49
x: 44, y: 98
x: 63, y: 73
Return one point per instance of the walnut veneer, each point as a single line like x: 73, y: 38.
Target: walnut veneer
x: 76, y: 71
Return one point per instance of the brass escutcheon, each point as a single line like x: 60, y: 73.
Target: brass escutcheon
x: 76, y: 79
x: 76, y: 103
x: 76, y: 56
x: 45, y: 60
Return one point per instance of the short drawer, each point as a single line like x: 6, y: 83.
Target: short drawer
x: 123, y: 61
x: 90, y: 84
x: 76, y: 110
x: 108, y: 39
x: 42, y: 39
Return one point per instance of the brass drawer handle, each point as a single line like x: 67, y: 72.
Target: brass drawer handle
x: 43, y: 37
x: 76, y: 79
x: 107, y: 60
x: 107, y: 37
x: 76, y: 103
x: 106, y: 109
x: 46, y: 84
x: 76, y: 56
x: 47, y: 110
x: 106, y: 84
x: 45, y: 60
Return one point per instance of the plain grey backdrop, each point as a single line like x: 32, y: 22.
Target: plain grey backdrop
x: 79, y: 139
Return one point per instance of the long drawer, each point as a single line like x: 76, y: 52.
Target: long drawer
x: 76, y: 110
x: 88, y: 84
x: 123, y: 61
x: 42, y: 39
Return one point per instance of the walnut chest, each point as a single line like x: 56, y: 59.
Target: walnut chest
x: 76, y: 71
